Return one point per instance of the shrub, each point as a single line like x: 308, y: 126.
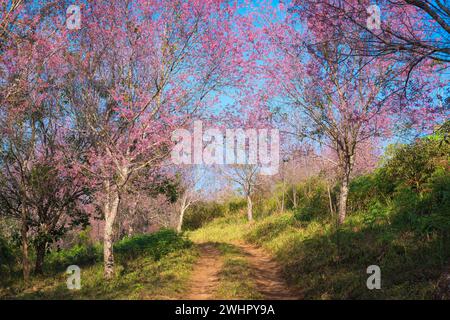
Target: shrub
x: 235, y: 205
x: 363, y: 193
x: 376, y: 212
x: 156, y: 245
x: 314, y: 200
x: 439, y: 185
x: 414, y: 164
x: 7, y: 257
x: 266, y: 207
x: 201, y: 213
x: 80, y: 254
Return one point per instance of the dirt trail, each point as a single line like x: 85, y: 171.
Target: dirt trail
x: 205, y: 277
x: 266, y: 274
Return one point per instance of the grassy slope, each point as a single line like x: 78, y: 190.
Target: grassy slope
x: 153, y: 266
x: 324, y: 263
x: 156, y: 266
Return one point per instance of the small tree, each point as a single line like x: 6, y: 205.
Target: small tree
x: 246, y: 177
x: 188, y: 192
x: 41, y: 187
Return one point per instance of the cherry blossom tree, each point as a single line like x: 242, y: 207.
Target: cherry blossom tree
x: 344, y: 100
x: 140, y: 70
x: 32, y: 144
x: 409, y: 32
x: 8, y: 19
x: 413, y: 30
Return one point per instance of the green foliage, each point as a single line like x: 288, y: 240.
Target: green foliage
x: 200, y: 213
x: 266, y: 207
x: 442, y: 133
x: 234, y: 205
x: 440, y: 193
x: 82, y: 252
x: 314, y: 200
x: 376, y: 213
x: 166, y: 186
x: 364, y: 192
x: 410, y: 189
x: 155, y: 245
x: 222, y: 229
x: 79, y: 254
x: 271, y: 227
x: 153, y: 266
x: 414, y: 164
x: 8, y: 257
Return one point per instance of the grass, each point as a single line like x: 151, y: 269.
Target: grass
x: 235, y: 278
x: 318, y: 259
x: 155, y: 266
x: 328, y: 263
x: 223, y: 229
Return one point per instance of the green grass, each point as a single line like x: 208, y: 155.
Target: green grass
x: 223, y: 229
x: 328, y: 263
x: 154, y: 266
x: 235, y: 278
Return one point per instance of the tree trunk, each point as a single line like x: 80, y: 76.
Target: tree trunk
x: 180, y: 221
x: 111, y: 207
x: 347, y: 161
x: 343, y: 197
x: 25, y: 257
x: 330, y: 200
x: 294, y: 196
x: 131, y: 218
x: 249, y: 208
x: 40, y: 255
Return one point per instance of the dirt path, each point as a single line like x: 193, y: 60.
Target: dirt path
x: 266, y: 274
x: 205, y: 277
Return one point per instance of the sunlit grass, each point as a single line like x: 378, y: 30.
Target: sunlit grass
x: 324, y: 262
x: 235, y: 278
x: 156, y: 266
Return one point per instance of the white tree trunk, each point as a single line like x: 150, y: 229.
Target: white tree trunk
x: 346, y: 165
x: 111, y: 207
x: 180, y: 220
x: 330, y: 200
x: 249, y: 208
x: 343, y: 197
